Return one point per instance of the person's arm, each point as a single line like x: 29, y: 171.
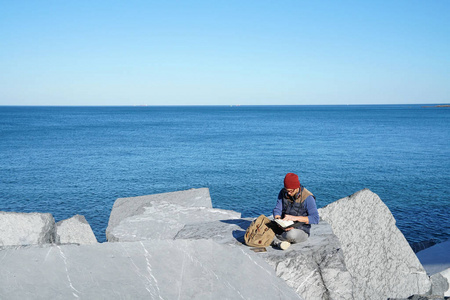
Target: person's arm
x: 313, y: 213
x: 278, y: 210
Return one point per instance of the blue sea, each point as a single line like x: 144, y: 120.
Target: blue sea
x: 79, y: 160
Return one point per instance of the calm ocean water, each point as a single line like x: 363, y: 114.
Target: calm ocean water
x: 79, y: 160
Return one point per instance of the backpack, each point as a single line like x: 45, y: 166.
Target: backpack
x: 259, y: 233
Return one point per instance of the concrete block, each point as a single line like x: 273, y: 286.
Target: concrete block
x: 19, y: 229
x: 377, y: 255
x: 75, y: 230
x: 161, y: 216
x: 158, y: 269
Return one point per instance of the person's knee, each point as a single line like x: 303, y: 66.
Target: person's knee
x: 296, y: 236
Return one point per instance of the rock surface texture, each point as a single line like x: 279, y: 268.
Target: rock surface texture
x: 377, y: 255
x: 18, y: 229
x: 159, y: 269
x: 176, y: 246
x: 161, y: 216
x: 75, y: 230
x: 315, y: 269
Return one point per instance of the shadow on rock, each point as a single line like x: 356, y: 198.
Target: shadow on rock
x: 239, y: 235
x: 243, y: 223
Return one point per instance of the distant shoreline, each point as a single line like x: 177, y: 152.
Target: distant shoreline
x: 446, y: 105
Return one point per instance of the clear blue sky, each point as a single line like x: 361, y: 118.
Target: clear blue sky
x: 224, y: 52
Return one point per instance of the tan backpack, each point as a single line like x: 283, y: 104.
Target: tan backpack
x: 259, y: 233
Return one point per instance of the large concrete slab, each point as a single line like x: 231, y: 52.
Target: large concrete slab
x: 26, y: 228
x: 159, y: 269
x: 164, y: 224
x: 131, y: 206
x: 161, y: 216
x: 377, y: 255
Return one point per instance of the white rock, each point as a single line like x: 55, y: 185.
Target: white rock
x: 130, y: 206
x: 377, y: 254
x: 75, y: 230
x: 446, y: 275
x: 159, y: 269
x: 18, y: 229
x: 161, y: 216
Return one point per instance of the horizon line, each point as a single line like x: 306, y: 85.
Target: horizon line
x: 218, y: 105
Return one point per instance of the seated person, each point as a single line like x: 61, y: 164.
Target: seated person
x: 297, y: 204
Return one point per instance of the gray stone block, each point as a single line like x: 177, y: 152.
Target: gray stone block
x: 161, y: 216
x: 446, y: 275
x: 230, y: 231
x: 377, y: 255
x: 439, y: 284
x: 75, y: 230
x: 315, y: 269
x: 19, y: 229
x: 159, y: 269
x: 130, y: 206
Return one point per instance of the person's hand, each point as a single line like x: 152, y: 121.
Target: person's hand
x: 289, y: 228
x: 290, y: 218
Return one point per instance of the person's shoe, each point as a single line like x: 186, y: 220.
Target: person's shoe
x: 284, y: 245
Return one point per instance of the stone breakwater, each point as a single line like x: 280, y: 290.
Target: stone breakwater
x: 177, y: 246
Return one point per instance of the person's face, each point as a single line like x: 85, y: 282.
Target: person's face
x: 292, y: 192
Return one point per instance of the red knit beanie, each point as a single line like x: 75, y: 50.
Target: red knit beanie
x: 291, y: 181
